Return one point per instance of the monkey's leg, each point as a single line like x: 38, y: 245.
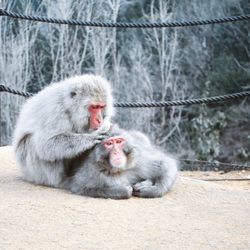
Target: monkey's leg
x: 163, y: 175
x: 110, y: 192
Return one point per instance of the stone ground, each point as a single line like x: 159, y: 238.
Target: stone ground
x: 195, y: 215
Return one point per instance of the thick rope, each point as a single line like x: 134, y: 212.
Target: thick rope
x: 206, y: 100
x: 13, y: 91
x: 110, y: 24
x: 213, y: 99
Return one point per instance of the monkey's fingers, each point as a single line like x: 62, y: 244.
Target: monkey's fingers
x: 140, y: 185
x: 149, y: 192
x: 97, y: 141
x: 101, y: 137
x: 146, y: 189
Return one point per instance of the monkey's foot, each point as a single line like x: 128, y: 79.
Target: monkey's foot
x: 146, y: 189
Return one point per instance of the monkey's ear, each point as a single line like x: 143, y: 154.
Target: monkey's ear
x: 72, y: 94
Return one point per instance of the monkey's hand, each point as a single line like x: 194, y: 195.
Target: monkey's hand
x: 94, y: 138
x: 113, y: 192
x: 146, y: 189
x: 119, y: 192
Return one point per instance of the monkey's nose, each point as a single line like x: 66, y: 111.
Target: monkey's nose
x: 95, y: 123
x: 99, y: 119
x: 99, y: 122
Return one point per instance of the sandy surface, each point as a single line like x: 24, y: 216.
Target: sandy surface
x: 195, y: 215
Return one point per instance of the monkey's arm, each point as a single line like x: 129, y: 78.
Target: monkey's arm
x: 64, y: 145
x: 115, y: 192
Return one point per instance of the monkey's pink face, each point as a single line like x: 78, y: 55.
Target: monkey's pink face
x: 114, y: 146
x: 96, y: 111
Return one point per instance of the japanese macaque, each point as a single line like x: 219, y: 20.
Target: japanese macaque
x: 123, y: 165
x: 59, y: 124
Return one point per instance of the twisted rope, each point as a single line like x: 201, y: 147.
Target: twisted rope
x: 207, y: 100
x: 212, y: 99
x: 13, y: 91
x: 110, y: 24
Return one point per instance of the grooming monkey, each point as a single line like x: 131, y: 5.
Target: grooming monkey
x: 123, y: 165
x: 59, y: 124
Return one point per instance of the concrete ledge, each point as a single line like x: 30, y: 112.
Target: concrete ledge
x: 195, y: 215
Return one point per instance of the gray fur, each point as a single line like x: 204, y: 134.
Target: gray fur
x: 149, y: 172
x: 53, y: 127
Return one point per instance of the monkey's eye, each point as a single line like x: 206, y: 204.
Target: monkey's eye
x: 98, y: 106
x: 119, y: 141
x: 102, y: 106
x: 72, y: 94
x: 108, y: 143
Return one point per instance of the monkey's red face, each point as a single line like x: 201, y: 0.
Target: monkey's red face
x: 115, y: 145
x: 96, y: 111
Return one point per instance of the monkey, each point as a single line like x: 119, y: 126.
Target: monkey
x: 124, y: 164
x: 59, y: 124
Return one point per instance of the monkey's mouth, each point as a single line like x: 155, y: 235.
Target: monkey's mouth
x: 106, y: 168
x: 118, y: 162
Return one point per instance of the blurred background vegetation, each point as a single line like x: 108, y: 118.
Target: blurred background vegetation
x: 142, y: 64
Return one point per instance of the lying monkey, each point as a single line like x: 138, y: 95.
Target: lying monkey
x: 124, y: 165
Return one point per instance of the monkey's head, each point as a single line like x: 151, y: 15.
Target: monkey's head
x: 114, y: 155
x: 88, y: 102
